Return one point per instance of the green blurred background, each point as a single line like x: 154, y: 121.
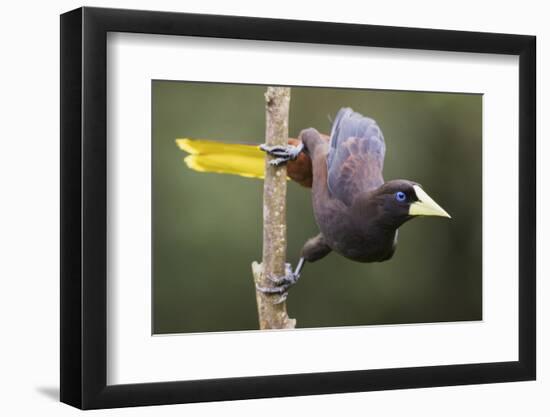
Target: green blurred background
x: 207, y: 228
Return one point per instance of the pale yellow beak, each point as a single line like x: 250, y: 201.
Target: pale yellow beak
x: 426, y: 206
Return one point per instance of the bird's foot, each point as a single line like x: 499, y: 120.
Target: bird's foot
x: 281, y: 284
x: 282, y: 154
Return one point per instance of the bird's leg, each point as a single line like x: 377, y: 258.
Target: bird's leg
x: 299, y: 267
x: 282, y: 284
x: 282, y: 154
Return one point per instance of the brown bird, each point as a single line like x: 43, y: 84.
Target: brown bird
x: 358, y: 214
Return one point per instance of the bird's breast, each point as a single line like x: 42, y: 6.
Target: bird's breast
x: 365, y: 248
x: 366, y: 242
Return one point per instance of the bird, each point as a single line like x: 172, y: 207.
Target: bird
x: 358, y: 213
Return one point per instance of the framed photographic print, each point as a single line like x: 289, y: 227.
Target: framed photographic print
x: 256, y: 208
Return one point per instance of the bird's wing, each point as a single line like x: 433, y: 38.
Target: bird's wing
x: 356, y: 155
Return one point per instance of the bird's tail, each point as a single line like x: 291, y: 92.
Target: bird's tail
x: 223, y: 158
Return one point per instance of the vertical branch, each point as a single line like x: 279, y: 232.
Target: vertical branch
x: 274, y: 316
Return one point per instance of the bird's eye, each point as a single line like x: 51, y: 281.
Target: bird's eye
x: 400, y: 196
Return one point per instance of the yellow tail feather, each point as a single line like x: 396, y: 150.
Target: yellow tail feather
x: 223, y: 158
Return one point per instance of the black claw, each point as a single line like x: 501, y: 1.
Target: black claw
x: 274, y: 150
x: 281, y: 299
x: 278, y: 161
x: 282, y: 279
x: 280, y: 289
x: 282, y: 154
x: 281, y: 284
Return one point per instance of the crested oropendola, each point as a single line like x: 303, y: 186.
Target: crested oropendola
x: 358, y: 214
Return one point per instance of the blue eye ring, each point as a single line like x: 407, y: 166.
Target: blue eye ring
x: 400, y: 196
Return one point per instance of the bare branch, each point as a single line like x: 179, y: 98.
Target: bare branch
x: 270, y: 314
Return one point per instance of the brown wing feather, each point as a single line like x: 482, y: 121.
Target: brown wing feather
x: 359, y: 170
x: 356, y: 157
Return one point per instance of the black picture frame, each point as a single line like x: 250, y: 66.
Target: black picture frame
x: 84, y: 207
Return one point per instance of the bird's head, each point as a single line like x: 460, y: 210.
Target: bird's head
x: 398, y: 201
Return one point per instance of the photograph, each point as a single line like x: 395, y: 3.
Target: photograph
x: 264, y: 206
x: 383, y: 216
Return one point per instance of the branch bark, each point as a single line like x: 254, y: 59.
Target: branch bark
x: 271, y: 315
